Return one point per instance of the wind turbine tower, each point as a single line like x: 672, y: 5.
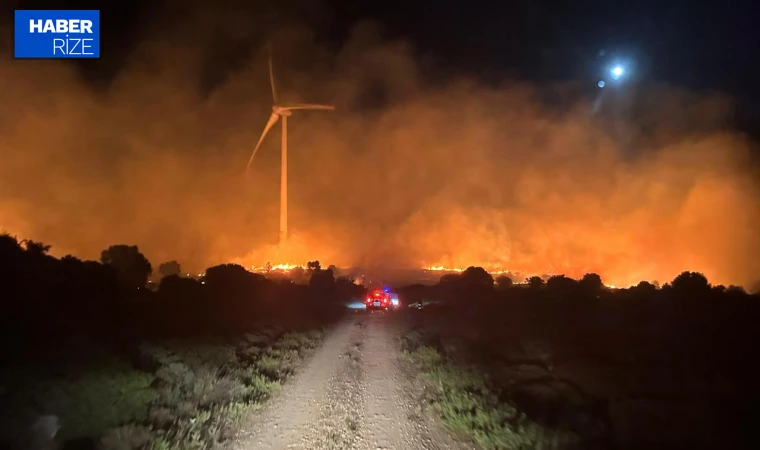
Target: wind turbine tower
x: 282, y: 110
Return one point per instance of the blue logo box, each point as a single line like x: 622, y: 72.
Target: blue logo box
x: 56, y: 34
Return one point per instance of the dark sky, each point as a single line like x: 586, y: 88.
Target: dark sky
x: 696, y: 44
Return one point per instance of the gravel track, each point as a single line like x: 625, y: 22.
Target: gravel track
x: 353, y: 393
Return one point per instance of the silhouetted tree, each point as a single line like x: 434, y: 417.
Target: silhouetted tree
x: 182, y: 307
x: 450, y: 288
x: 36, y: 248
x: 477, y: 278
x: 70, y: 259
x: 169, y: 268
x: 323, y: 281
x: 503, y: 282
x: 235, y: 294
x: 348, y: 289
x: 229, y: 276
x: 176, y: 286
x: 299, y: 276
x: 10, y: 255
x: 9, y: 244
x: 313, y: 266
x: 449, y: 279
x: 644, y: 288
x: 561, y: 283
x: 535, y: 281
x: 131, y: 266
x: 591, y: 284
x: 691, y: 283
x: 735, y: 290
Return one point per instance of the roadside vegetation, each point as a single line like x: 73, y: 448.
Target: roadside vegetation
x: 91, y: 358
x: 562, y: 363
x: 471, y: 406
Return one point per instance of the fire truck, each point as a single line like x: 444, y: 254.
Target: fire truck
x: 383, y: 299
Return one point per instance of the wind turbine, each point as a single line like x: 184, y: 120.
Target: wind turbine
x: 282, y: 110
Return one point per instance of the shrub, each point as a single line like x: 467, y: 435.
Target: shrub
x: 127, y: 437
x: 427, y: 357
x: 467, y: 404
x: 89, y: 400
x: 205, y: 430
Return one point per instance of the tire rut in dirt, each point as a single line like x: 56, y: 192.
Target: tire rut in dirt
x: 389, y: 399
x: 337, y: 424
x: 289, y: 417
x: 385, y: 410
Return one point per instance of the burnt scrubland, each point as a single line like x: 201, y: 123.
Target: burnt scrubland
x: 563, y: 363
x: 91, y: 358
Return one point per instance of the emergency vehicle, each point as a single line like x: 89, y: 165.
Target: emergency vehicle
x: 382, y: 299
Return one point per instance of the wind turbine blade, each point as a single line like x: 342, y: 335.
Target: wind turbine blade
x: 272, y: 120
x: 271, y: 76
x: 312, y: 106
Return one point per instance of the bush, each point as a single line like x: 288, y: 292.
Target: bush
x: 260, y: 387
x: 427, y: 357
x: 271, y: 368
x: 127, y: 437
x: 467, y: 404
x: 89, y: 400
x: 205, y: 430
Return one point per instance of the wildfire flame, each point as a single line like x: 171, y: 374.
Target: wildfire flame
x: 443, y: 269
x: 283, y: 267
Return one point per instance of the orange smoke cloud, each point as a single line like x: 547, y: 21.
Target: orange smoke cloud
x: 403, y: 173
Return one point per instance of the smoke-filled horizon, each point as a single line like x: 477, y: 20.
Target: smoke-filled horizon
x: 404, y: 172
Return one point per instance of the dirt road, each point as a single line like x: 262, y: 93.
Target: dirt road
x: 352, y: 394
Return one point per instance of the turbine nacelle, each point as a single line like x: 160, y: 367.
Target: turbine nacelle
x: 281, y: 111
x: 287, y: 110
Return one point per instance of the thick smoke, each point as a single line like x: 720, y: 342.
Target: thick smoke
x: 405, y: 172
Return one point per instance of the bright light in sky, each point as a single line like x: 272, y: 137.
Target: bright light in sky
x: 617, y: 72
x: 600, y: 83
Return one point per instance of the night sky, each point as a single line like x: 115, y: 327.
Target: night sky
x: 696, y: 44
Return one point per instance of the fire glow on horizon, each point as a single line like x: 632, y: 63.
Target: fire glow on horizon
x: 282, y: 267
x: 285, y: 268
x: 496, y: 272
